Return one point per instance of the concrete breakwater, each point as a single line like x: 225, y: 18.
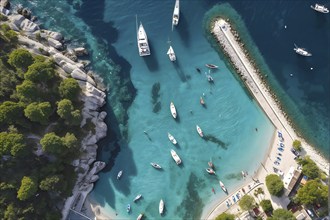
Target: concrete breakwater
x: 229, y: 41
x: 48, y: 43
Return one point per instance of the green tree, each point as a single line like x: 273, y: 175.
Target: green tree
x: 309, y: 168
x: 225, y: 216
x: 69, y: 89
x: 28, y: 91
x: 21, y: 59
x: 12, y: 143
x: 75, y: 117
x: 40, y: 72
x: 274, y: 185
x: 49, y: 183
x: 282, y: 214
x: 70, y: 141
x: 10, y: 213
x: 11, y: 37
x: 267, y: 206
x: 28, y: 188
x: 38, y: 112
x: 247, y: 202
x: 10, y: 112
x: 297, y: 145
x: 312, y: 193
x: 64, y: 109
x: 52, y: 143
x: 7, y: 83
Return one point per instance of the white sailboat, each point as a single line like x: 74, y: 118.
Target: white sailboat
x: 161, y: 207
x: 175, y: 157
x: 301, y: 51
x: 176, y: 14
x: 142, y: 40
x: 173, y: 110
x: 171, y: 54
x: 171, y: 138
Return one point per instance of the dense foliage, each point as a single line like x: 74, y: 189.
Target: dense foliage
x: 312, y: 193
x: 309, y: 168
x: 297, y: 145
x: 274, y: 185
x: 247, y: 203
x: 282, y: 214
x: 267, y: 206
x: 38, y: 140
x: 225, y: 216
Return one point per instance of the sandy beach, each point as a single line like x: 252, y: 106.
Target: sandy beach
x: 222, y: 31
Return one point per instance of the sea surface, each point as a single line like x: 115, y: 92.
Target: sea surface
x: 237, y: 132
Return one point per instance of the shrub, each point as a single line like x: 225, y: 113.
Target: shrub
x: 274, y: 185
x: 280, y: 214
x: 267, y: 206
x: 297, y: 145
x: 247, y: 202
x: 21, y: 59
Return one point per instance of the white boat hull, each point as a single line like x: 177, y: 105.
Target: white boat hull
x: 199, y: 131
x: 171, y: 138
x: 161, y: 207
x: 171, y: 54
x: 173, y: 110
x: 223, y: 186
x: 142, y: 41
x: 176, y: 14
x: 176, y: 157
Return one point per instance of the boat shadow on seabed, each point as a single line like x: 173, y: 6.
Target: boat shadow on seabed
x: 151, y: 60
x: 179, y: 71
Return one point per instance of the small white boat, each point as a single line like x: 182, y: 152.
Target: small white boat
x: 210, y: 78
x: 199, y: 130
x: 302, y: 51
x: 201, y: 100
x: 128, y: 209
x: 173, y: 110
x: 320, y: 8
x: 142, y: 40
x: 155, y: 165
x: 137, y: 198
x: 171, y: 54
x: 171, y: 138
x: 211, y: 66
x: 176, y: 14
x: 223, y: 187
x: 161, y: 207
x: 210, y: 171
x: 140, y: 217
x: 120, y: 173
x: 175, y: 157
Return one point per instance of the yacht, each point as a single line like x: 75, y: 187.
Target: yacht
x: 223, y: 187
x: 211, y: 66
x: 140, y: 217
x: 142, y: 41
x: 155, y: 165
x: 176, y: 14
x: 171, y: 54
x: 302, y: 51
x: 171, y: 138
x: 137, y: 198
x: 161, y: 207
x: 128, y: 209
x: 173, y: 110
x: 199, y: 130
x: 320, y: 8
x: 210, y: 171
x: 176, y: 158
x: 120, y: 173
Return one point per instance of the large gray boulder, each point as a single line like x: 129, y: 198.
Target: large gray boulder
x: 55, y: 43
x: 21, y: 23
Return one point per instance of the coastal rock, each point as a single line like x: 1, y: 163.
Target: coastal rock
x: 4, y: 11
x: 5, y: 4
x: 93, y: 179
x: 21, y: 23
x: 80, y: 51
x: 26, y: 13
x: 81, y: 75
x: 55, y: 43
x: 52, y: 34
x: 71, y: 55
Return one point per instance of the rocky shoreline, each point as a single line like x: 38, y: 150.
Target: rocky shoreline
x: 50, y: 44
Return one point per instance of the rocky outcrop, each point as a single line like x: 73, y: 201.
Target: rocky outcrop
x: 19, y: 22
x: 5, y: 4
x: 80, y: 51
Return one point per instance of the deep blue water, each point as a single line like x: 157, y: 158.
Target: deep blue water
x: 107, y: 29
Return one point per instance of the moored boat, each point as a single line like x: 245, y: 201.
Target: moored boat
x: 210, y: 171
x: 302, y: 51
x: 176, y: 14
x: 142, y: 40
x: 320, y: 8
x: 175, y: 157
x: 137, y: 198
x: 211, y: 66
x: 173, y: 110
x: 201, y: 100
x: 223, y: 186
x: 140, y: 217
x: 155, y: 165
x: 171, y: 54
x: 161, y: 206
x: 120, y: 173
x: 199, y: 131
x: 210, y: 78
x: 128, y: 209
x: 171, y: 138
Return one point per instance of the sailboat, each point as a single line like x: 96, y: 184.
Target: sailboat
x: 142, y: 40
x: 176, y: 14
x: 301, y: 51
x: 171, y: 54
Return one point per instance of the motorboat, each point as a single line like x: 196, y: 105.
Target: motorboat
x: 173, y: 110
x: 210, y: 171
x: 176, y: 158
x: 161, y: 207
x: 199, y: 130
x: 210, y: 78
x: 155, y: 165
x: 142, y: 40
x: 120, y: 173
x: 320, y: 8
x: 211, y: 66
x: 171, y: 138
x: 201, y: 100
x: 176, y: 14
x: 302, y: 51
x: 171, y: 54
x: 223, y: 187
x: 128, y: 209
x: 137, y: 198
x: 243, y: 174
x: 140, y: 217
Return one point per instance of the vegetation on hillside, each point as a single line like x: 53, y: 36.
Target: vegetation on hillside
x: 40, y: 114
